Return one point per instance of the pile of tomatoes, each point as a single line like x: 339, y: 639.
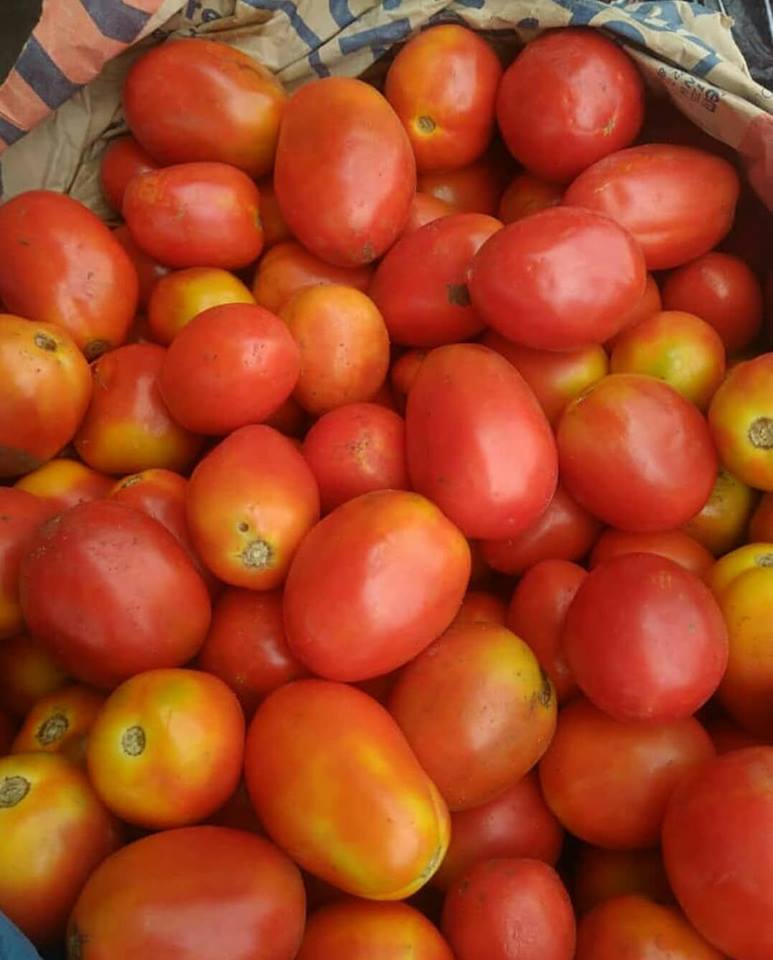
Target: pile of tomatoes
x: 386, y: 528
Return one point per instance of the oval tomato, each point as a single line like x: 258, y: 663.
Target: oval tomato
x: 527, y: 194
x: 476, y: 188
x: 21, y: 515
x: 480, y: 606
x: 761, y: 524
x: 28, y: 673
x: 603, y: 874
x: 403, y: 373
x: 649, y: 303
x: 123, y: 159
x: 721, y: 522
x: 673, y: 544
x: 60, y: 723
x: 148, y: 270
x: 64, y: 483
x: 424, y: 209
x: 183, y: 294
x: 275, y: 230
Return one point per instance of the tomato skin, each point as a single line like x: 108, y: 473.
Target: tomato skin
x: 123, y: 159
x: 342, y: 144
x: 148, y: 269
x: 424, y: 209
x: 673, y: 544
x: 605, y: 874
x: 64, y: 483
x: 480, y: 606
x: 625, y: 185
x: 96, y: 587
x: 649, y: 303
x: 60, y: 264
x: 139, y: 903
x: 27, y: 674
x: 275, y: 230
x: 161, y: 495
x: 183, y: 294
x: 560, y: 279
x: 761, y: 523
x: 527, y: 194
x: 383, y: 848
x: 676, y: 646
x: 60, y: 723
x: 403, y: 373
x: 636, y: 454
x: 373, y: 584
x: 476, y: 188
x: 195, y: 215
x: 718, y: 847
x: 7, y: 731
x: 478, y: 443
x: 570, y: 97
x: 729, y: 567
x: 720, y: 524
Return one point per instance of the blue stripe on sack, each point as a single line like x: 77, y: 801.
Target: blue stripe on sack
x: 392, y: 4
x: 706, y: 65
x: 340, y: 12
x: 116, y: 21
x: 43, y: 75
x: 10, y: 132
x: 474, y: 4
x: 288, y: 8
x: 316, y: 64
x: 387, y: 33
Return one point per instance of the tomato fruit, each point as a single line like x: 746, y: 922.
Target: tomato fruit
x: 403, y: 373
x: 27, y: 674
x: 64, y: 483
x: 527, y: 194
x: 60, y: 723
x: 603, y: 874
x: 649, y: 303
x: 183, y: 294
x: 275, y: 230
x: 123, y: 159
x: 7, y: 730
x: 729, y: 567
x: 148, y: 269
x: 476, y: 188
x: 673, y: 544
x: 480, y: 606
x: 721, y: 522
x: 424, y: 209
x: 761, y: 523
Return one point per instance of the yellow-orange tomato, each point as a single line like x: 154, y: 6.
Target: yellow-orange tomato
x: 179, y: 296
x: 44, y: 392
x: 60, y: 723
x: 127, y: 427
x: 739, y: 561
x: 602, y: 874
x: 274, y: 227
x: 65, y: 482
x: 527, y: 194
x: 336, y: 785
x: 27, y: 673
x: 344, y: 346
x: 761, y: 523
x: 167, y: 748
x: 649, y: 303
x: 721, y: 522
x: 54, y: 831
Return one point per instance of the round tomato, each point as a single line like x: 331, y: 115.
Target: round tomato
x: 761, y: 524
x: 480, y: 606
x: 525, y: 195
x: 424, y: 209
x: 60, y: 723
x: 183, y: 294
x: 275, y: 230
x: 21, y: 514
x: 27, y: 674
x: 673, y: 544
x: 123, y: 159
x: 64, y: 483
x: 729, y: 567
x: 403, y: 373
x: 148, y: 269
x: 603, y: 874
x: 720, y: 524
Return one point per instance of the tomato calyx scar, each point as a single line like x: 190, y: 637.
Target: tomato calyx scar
x: 52, y: 729
x: 13, y: 790
x: 761, y: 433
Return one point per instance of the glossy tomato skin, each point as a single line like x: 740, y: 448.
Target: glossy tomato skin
x: 673, y: 544
x: 476, y: 188
x: 718, y: 847
x: 27, y: 674
x: 478, y: 443
x: 676, y: 641
x: 373, y: 584
x: 635, y: 453
x: 424, y: 209
x: 570, y: 97
x: 527, y: 194
x: 560, y: 279
x: 96, y: 588
x: 650, y: 302
x: 60, y: 264
x: 653, y: 190
x: 233, y: 116
x: 148, y: 269
x: 721, y: 522
x: 481, y: 606
x: 275, y: 230
x: 139, y: 902
x: 64, y: 483
x: 183, y: 294
x: 345, y: 172
x: 195, y: 215
x: 60, y: 723
x: 387, y: 845
x: 761, y: 523
x: 123, y: 159
x: 605, y: 874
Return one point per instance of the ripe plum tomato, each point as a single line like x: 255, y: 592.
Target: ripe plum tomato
x: 403, y: 373
x: 123, y: 159
x: 60, y: 723
x: 165, y: 896
x: 649, y: 303
x: 570, y: 97
x: 560, y: 279
x: 27, y: 674
x: 64, y: 483
x: 675, y: 649
x: 182, y: 294
x: 609, y: 782
x: 275, y: 230
x: 424, y: 209
x: 480, y: 606
x: 673, y: 544
x: 384, y: 847
x: 476, y: 188
x: 603, y: 874
x: 721, y: 522
x: 636, y: 454
x: 525, y: 195
x: 373, y: 584
x: 148, y: 269
x: 96, y: 588
x: 761, y: 523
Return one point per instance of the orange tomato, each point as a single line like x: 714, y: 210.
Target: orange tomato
x: 480, y: 606
x: 182, y: 294
x: 60, y: 723
x: 721, y: 522
x: 527, y: 194
x: 65, y: 482
x: 27, y: 673
x: 21, y: 514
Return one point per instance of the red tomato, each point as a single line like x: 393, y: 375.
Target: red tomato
x: 515, y: 288
x: 27, y: 673
x: 403, y: 373
x: 123, y: 159
x: 609, y: 782
x: 166, y: 897
x: 653, y: 190
x: 718, y: 848
x: 479, y: 606
x: 44, y: 391
x: 636, y: 453
x: 649, y: 303
x: 476, y: 188
x: 527, y: 194
x: 275, y: 230
x: 60, y: 723
x: 603, y: 874
x: 478, y: 443
x: 345, y: 173
x: 673, y: 544
x: 290, y: 419
x: 424, y: 209
x: 570, y: 97
x: 761, y: 524
x: 509, y: 909
x: 210, y: 102
x: 720, y: 525
x: 355, y: 449
x: 195, y: 215
x: 110, y: 593
x: 60, y: 264
x: 7, y: 730
x: 148, y: 269
x: 726, y: 736
x: 64, y: 483
x: 373, y: 584
x: 183, y: 294
x: 384, y: 847
x: 675, y: 649
x: 230, y: 366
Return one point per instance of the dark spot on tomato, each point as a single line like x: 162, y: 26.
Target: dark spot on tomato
x: 761, y: 433
x: 52, y: 729
x: 368, y: 253
x: 258, y: 555
x: 544, y: 695
x: 75, y: 943
x: 130, y: 481
x: 425, y: 124
x: 13, y: 790
x: 133, y: 741
x: 458, y: 294
x: 45, y: 341
x: 95, y: 348
x: 764, y: 560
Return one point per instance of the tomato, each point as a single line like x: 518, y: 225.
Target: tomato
x: 635, y: 453
x: 723, y: 291
x: 250, y: 503
x: 343, y: 342
x: 718, y: 847
x: 732, y: 565
x: 603, y: 874
x: 384, y: 847
x: 60, y: 264
x: 354, y: 449
x: 741, y: 421
x: 275, y: 230
x: 55, y: 831
x: 237, y: 812
x: 476, y: 188
x: 166, y: 896
x: 649, y: 304
x: 229, y: 367
x: 64, y: 483
x: 424, y: 209
x: 638, y: 929
x: 673, y: 544
x: 653, y: 190
x: 761, y: 523
x: 7, y: 730
x: 358, y: 930
x: 60, y: 723
x: 478, y: 444
x: 565, y: 531
x: 373, y: 584
x: 148, y: 269
x: 509, y: 909
x: 27, y: 674
x: 127, y: 427
x: 570, y: 98
x: 525, y: 195
x: 537, y: 613
x: 403, y: 373
x: 290, y: 419
x: 195, y: 215
x: 515, y: 287
x: 675, y: 649
x: 44, y: 392
x: 210, y: 101
x: 480, y: 606
x: 246, y: 645
x: 109, y: 592
x: 122, y: 159
x: 183, y: 294
x: 608, y: 782
x: 721, y: 522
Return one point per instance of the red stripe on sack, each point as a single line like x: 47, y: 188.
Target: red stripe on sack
x: 73, y: 40
x: 19, y: 103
